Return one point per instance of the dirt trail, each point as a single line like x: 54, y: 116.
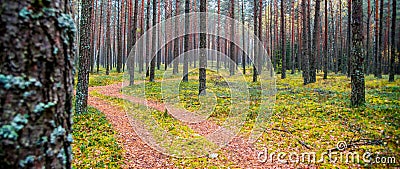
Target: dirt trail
x: 139, y: 155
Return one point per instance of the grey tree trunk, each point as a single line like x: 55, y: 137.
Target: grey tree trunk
x: 186, y: 45
x: 243, y: 38
x: 232, y: 54
x: 84, y: 57
x: 153, y: 43
x: 255, y: 46
x: 176, y: 41
x: 203, y: 45
x: 36, y: 84
x: 357, y: 57
x: 131, y: 64
x: 305, y: 60
x: 326, y: 42
x: 393, y: 44
x: 313, y: 57
x: 119, y: 37
x: 108, y: 38
x: 367, y: 59
x: 147, y: 48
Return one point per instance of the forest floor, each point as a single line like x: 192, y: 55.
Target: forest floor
x: 312, y: 118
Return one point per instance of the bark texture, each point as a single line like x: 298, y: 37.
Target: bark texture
x: 84, y: 56
x: 357, y: 55
x: 36, y: 84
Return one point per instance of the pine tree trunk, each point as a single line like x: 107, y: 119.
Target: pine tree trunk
x: 357, y: 58
x: 305, y: 60
x: 119, y: 38
x: 292, y: 41
x: 376, y: 47
x: 313, y: 57
x: 108, y: 41
x: 36, y: 84
x: 141, y: 50
x: 367, y: 59
x: 379, y: 68
x: 203, y: 45
x: 147, y: 47
x: 349, y: 36
x: 309, y: 39
x: 232, y: 54
x: 186, y: 45
x: 283, y: 43
x: 218, y: 33
x: 260, y: 56
x: 393, y: 44
x: 153, y: 43
x: 326, y: 42
x: 158, y: 37
x: 84, y: 57
x: 243, y: 38
x: 131, y: 64
x: 255, y: 46
x: 92, y: 36
x: 100, y: 37
x: 176, y: 41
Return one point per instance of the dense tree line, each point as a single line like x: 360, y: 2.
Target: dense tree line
x: 293, y: 37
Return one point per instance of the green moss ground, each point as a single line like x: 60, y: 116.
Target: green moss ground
x: 318, y: 115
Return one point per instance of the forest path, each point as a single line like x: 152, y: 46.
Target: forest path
x: 238, y: 152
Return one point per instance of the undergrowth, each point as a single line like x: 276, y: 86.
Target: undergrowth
x: 95, y: 145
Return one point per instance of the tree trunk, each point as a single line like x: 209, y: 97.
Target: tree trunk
x: 255, y: 46
x: 186, y: 45
x: 313, y: 74
x: 158, y: 37
x: 283, y: 44
x: 100, y: 35
x: 376, y: 47
x: 367, y: 59
x: 168, y: 14
x: 243, y: 38
x: 379, y: 68
x: 218, y: 33
x: 357, y: 75
x: 176, y: 41
x: 260, y: 56
x: 203, y: 45
x: 326, y: 42
x: 305, y: 60
x: 92, y: 35
x: 153, y: 43
x: 131, y: 64
x: 147, y: 47
x: 108, y: 41
x: 36, y: 84
x: 84, y: 57
x: 292, y: 41
x: 393, y: 44
x: 232, y: 54
x: 119, y: 38
x: 349, y: 36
